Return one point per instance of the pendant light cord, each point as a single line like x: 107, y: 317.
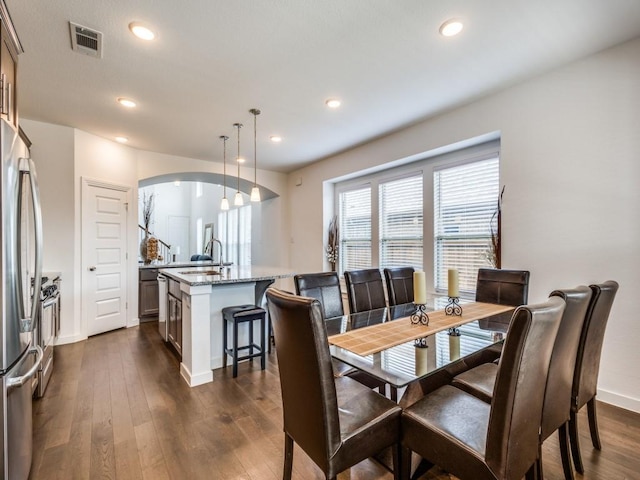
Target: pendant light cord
x: 238, y: 126
x: 224, y: 163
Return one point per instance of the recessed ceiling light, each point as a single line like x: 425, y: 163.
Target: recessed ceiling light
x: 126, y: 102
x: 122, y: 139
x: 332, y: 103
x: 142, y: 32
x: 240, y: 160
x: 176, y: 183
x: 276, y: 138
x: 451, y: 28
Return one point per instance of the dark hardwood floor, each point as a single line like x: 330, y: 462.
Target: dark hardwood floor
x: 116, y: 408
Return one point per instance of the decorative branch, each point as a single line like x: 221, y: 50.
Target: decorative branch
x: 147, y: 209
x: 495, y: 253
x: 333, y: 242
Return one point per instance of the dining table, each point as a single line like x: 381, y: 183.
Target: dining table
x: 388, y: 346
x: 414, y: 358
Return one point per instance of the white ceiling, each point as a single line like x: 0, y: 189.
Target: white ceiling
x: 213, y: 60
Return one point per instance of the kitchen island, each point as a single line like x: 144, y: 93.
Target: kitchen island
x: 205, y: 291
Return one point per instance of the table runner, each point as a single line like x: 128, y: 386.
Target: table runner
x: 376, y: 338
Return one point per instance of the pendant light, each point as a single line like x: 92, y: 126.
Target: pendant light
x: 237, y: 200
x: 224, y: 205
x: 255, y: 191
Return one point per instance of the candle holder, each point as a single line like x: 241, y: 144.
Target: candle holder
x: 453, y: 307
x: 420, y: 317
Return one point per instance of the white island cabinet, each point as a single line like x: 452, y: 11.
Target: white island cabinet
x: 205, y: 292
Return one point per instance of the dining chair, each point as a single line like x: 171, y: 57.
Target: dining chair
x: 480, y: 381
x: 475, y: 440
x: 504, y: 287
x: 365, y: 290
x: 587, y: 367
x: 399, y: 283
x: 335, y: 420
x: 325, y: 287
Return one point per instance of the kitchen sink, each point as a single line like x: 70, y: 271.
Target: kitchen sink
x: 201, y: 272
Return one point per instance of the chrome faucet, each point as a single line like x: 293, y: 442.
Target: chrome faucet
x: 213, y: 239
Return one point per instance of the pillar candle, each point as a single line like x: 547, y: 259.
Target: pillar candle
x: 422, y: 361
x: 419, y: 288
x: 453, y: 283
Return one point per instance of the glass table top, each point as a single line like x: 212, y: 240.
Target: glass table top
x: 406, y: 363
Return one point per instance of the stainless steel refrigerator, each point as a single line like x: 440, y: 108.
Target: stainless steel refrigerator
x: 21, y: 262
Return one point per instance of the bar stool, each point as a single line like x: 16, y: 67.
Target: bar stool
x: 236, y: 315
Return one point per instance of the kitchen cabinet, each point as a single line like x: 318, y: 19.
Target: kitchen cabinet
x: 9, y: 49
x: 174, y: 314
x: 148, y: 294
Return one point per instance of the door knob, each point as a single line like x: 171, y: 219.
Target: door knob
x: 92, y: 269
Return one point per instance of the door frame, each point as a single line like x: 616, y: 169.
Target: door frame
x: 127, y: 189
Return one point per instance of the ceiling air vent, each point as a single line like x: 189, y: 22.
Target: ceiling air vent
x: 86, y: 41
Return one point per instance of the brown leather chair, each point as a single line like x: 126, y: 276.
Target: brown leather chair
x: 399, y: 285
x: 585, y: 379
x: 475, y: 440
x: 504, y: 287
x: 365, y: 290
x: 336, y: 421
x: 323, y: 286
x: 480, y: 381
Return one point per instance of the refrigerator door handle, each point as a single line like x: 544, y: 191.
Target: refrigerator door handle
x: 27, y: 167
x: 15, y: 382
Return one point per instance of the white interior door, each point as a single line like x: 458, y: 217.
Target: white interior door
x: 104, y: 253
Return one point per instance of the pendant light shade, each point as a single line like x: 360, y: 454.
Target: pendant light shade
x: 255, y: 191
x: 238, y: 201
x: 224, y: 205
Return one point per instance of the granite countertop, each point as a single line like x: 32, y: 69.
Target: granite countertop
x: 232, y: 274
x: 202, y: 263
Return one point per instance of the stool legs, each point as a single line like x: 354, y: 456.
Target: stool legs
x: 224, y: 342
x: 263, y: 356
x: 235, y: 349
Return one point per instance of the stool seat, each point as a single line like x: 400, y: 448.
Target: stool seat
x: 239, y: 314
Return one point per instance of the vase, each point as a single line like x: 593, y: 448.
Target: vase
x: 143, y: 248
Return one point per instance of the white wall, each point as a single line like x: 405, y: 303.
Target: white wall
x: 53, y: 152
x: 570, y: 147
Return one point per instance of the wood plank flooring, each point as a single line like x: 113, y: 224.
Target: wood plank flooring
x: 116, y: 408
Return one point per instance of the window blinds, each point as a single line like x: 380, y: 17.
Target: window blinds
x: 465, y: 199
x: 400, y: 204
x: 355, y: 229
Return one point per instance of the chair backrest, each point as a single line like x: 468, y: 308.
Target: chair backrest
x: 399, y: 284
x: 365, y: 290
x: 324, y: 287
x: 557, y: 397
x: 309, y: 400
x: 516, y: 408
x: 585, y: 379
x: 504, y: 287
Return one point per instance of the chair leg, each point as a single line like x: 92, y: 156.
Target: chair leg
x: 251, y: 325
x: 575, y: 443
x: 563, y: 440
x: 396, y: 453
x: 235, y: 349
x: 224, y: 342
x: 539, y: 472
x: 404, y: 463
x: 288, y: 457
x: 531, y: 473
x: 593, y: 424
x: 263, y: 355
x: 394, y: 393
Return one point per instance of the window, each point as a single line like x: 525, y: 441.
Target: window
x: 400, y: 220
x: 355, y: 229
x: 465, y: 199
x: 235, y: 235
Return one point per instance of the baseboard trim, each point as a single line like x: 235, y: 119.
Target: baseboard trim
x: 618, y: 400
x: 70, y: 339
x: 195, y: 380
